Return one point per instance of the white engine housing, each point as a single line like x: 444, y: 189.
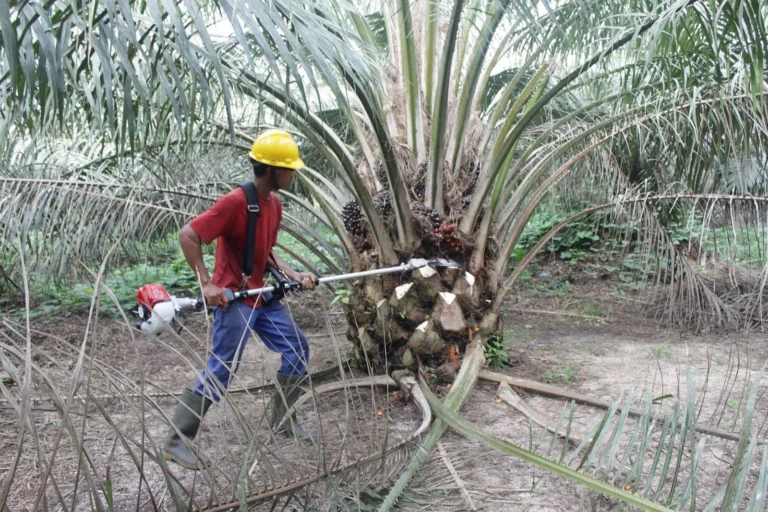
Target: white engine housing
x: 162, y: 319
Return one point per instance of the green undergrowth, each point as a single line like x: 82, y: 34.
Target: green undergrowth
x: 603, y: 234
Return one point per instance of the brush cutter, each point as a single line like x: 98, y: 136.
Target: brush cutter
x: 159, y: 311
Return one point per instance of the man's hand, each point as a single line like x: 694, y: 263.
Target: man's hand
x: 215, y: 296
x: 307, y: 280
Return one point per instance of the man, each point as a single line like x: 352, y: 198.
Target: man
x: 275, y: 158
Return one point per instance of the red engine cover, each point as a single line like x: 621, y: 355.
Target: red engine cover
x: 151, y: 294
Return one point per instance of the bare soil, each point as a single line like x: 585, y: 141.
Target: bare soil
x: 602, y: 347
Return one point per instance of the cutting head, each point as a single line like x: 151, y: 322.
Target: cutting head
x: 435, y: 262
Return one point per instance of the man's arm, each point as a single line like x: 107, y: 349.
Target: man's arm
x: 192, y: 247
x: 307, y: 279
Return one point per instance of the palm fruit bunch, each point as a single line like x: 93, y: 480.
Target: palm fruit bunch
x: 418, y: 190
x: 383, y: 204
x: 426, y: 213
x: 449, y: 236
x: 381, y: 175
x: 353, y: 220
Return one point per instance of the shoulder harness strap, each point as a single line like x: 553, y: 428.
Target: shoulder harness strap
x: 252, y: 197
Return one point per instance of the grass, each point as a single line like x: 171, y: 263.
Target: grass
x: 659, y: 351
x: 594, y: 310
x: 342, y: 295
x: 561, y: 290
x: 565, y: 376
x: 496, y: 349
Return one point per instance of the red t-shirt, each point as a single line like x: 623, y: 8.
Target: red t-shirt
x: 226, y: 221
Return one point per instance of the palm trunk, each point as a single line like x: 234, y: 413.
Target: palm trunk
x: 429, y: 316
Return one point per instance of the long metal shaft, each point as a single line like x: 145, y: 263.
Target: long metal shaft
x: 375, y: 272
x: 341, y: 277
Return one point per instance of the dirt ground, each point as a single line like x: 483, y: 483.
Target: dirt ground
x: 585, y: 339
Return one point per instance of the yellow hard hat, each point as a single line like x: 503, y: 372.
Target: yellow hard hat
x: 276, y: 148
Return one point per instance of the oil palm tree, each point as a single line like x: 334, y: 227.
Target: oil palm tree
x: 433, y: 129
x: 452, y: 121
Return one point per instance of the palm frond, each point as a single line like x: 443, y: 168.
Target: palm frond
x: 431, y: 20
x: 434, y: 179
x: 411, y: 78
x: 655, y: 456
x: 464, y: 113
x: 466, y: 428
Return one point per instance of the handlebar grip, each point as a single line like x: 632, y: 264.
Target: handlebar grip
x: 229, y: 294
x: 299, y: 286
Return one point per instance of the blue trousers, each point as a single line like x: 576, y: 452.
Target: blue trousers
x: 231, y: 329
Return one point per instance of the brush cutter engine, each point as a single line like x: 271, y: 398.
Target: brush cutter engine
x: 159, y: 311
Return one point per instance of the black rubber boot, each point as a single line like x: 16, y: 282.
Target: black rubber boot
x: 189, y: 412
x: 282, y: 400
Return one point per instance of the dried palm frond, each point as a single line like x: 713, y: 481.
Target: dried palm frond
x: 90, y: 398
x: 655, y: 458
